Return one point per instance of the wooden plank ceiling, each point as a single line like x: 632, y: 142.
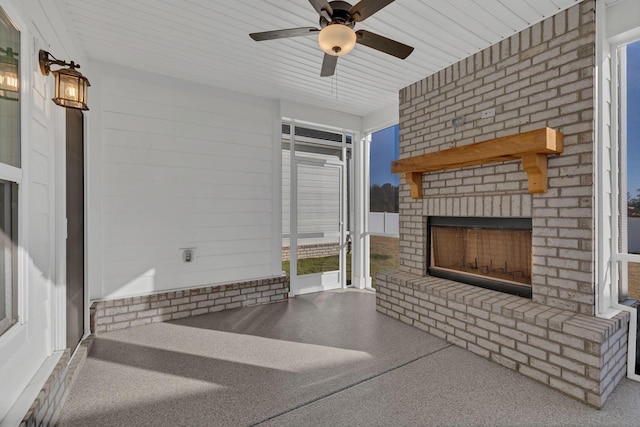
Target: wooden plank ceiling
x: 206, y: 41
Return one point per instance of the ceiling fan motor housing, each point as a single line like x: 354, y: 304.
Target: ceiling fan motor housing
x: 340, y: 15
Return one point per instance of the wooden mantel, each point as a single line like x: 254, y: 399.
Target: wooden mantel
x: 531, y: 147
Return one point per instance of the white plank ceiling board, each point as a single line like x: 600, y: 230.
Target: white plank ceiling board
x: 207, y: 41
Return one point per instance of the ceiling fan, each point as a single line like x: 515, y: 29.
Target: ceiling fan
x: 336, y: 36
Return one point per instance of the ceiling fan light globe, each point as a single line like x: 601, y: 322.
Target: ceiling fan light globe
x: 337, y: 39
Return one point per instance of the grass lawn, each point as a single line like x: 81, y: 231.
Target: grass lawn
x: 385, y: 255
x: 385, y: 252
x: 317, y: 265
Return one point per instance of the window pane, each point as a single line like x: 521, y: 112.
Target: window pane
x: 8, y: 258
x: 9, y: 154
x: 633, y: 146
x: 385, y: 255
x: 384, y: 220
x: 384, y: 184
x: 9, y: 92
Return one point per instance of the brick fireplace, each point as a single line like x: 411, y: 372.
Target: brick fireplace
x: 541, y: 77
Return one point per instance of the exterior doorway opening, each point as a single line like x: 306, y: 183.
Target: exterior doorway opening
x: 75, y: 227
x: 316, y: 207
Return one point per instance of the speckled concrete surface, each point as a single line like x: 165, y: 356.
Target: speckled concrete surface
x: 455, y: 387
x: 322, y: 359
x: 242, y: 366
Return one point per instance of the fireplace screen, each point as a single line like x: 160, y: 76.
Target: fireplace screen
x: 493, y: 253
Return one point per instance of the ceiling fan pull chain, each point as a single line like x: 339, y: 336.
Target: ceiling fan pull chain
x: 334, y: 86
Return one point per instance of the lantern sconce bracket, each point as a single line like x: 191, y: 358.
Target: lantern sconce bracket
x: 46, y: 62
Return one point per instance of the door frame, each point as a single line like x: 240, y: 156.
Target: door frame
x: 58, y: 222
x: 326, y: 280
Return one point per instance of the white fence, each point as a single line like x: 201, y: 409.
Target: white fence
x: 384, y: 223
x: 633, y: 229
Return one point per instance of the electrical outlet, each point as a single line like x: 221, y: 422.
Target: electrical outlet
x: 188, y: 255
x: 488, y: 113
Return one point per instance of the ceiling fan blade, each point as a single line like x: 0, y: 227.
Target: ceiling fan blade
x: 323, y: 8
x: 383, y: 44
x: 328, y: 65
x: 366, y: 8
x: 281, y: 34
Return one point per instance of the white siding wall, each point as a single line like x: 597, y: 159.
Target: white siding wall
x: 183, y: 166
x: 616, y: 23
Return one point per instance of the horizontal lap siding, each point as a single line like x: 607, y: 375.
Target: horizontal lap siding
x: 183, y: 168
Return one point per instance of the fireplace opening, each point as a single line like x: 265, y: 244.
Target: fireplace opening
x: 493, y: 253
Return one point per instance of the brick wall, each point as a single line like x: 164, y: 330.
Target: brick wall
x: 541, y: 77
x: 580, y: 355
x: 129, y: 312
x: 312, y: 251
x: 45, y: 410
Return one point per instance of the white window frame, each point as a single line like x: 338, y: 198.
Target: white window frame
x: 616, y: 25
x: 380, y: 120
x: 15, y: 175
x: 620, y: 255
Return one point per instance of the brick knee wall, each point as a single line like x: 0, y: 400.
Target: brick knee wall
x: 580, y: 355
x: 129, y: 312
x: 312, y: 251
x: 45, y: 410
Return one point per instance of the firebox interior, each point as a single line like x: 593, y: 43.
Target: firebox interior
x: 493, y: 253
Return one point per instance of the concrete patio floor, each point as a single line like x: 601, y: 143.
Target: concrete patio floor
x: 320, y: 359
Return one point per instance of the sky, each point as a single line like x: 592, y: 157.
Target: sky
x: 633, y: 118
x: 384, y: 149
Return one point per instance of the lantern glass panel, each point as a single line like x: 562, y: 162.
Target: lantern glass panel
x: 9, y: 76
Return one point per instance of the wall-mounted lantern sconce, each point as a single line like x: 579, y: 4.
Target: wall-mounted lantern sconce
x: 8, y: 73
x: 71, y: 85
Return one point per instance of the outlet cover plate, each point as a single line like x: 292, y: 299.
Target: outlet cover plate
x: 188, y: 255
x: 458, y: 121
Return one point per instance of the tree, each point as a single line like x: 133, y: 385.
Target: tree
x: 633, y: 204
x: 384, y: 198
